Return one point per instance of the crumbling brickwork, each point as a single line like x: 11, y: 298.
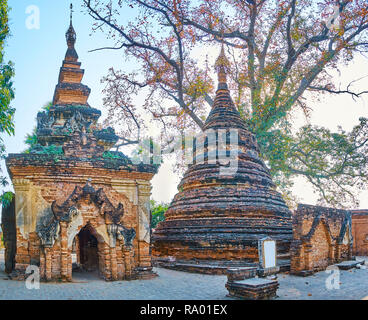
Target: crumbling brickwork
x: 321, y: 236
x: 72, y: 192
x: 221, y: 217
x: 360, y: 232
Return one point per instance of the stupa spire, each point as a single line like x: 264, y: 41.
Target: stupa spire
x: 71, y: 13
x: 71, y: 35
x: 223, y: 113
x: 70, y: 90
x: 222, y: 66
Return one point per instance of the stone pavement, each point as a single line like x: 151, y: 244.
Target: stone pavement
x: 353, y: 286
x: 171, y: 285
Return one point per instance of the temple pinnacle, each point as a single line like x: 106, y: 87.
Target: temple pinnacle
x: 71, y: 13
x: 70, y: 35
x: 222, y: 66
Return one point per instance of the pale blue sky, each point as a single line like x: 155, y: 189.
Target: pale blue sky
x: 38, y: 55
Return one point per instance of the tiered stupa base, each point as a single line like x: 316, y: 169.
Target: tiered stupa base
x: 213, y: 245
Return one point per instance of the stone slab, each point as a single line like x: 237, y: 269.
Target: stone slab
x: 346, y: 265
x: 256, y: 282
x: 362, y: 260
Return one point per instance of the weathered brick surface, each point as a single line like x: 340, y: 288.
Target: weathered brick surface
x: 253, y: 289
x: 222, y: 217
x: 321, y: 237
x: 57, y: 195
x: 360, y: 232
x: 55, y: 262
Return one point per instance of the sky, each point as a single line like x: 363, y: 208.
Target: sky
x: 38, y: 51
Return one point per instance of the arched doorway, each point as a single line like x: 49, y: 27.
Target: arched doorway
x: 87, y: 252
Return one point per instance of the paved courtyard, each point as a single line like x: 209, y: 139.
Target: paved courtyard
x: 171, y: 285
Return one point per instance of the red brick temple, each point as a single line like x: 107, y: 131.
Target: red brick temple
x: 360, y: 232
x: 218, y: 218
x: 75, y: 197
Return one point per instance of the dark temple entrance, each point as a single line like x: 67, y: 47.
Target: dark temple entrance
x: 88, y: 250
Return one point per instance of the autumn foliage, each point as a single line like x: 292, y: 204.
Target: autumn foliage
x: 279, y: 51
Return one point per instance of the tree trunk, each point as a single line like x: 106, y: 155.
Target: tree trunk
x: 10, y: 235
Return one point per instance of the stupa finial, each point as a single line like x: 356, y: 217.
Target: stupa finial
x: 70, y: 35
x: 71, y: 13
x: 222, y: 65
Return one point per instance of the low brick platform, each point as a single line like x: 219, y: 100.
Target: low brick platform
x: 237, y: 274
x: 211, y: 267
x: 265, y: 272
x: 253, y: 289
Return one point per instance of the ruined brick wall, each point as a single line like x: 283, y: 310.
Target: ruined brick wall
x: 360, y: 232
x: 36, y: 188
x: 321, y: 237
x: 54, y: 197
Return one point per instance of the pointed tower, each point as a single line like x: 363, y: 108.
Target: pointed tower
x: 219, y: 217
x: 69, y: 89
x: 71, y: 121
x: 75, y: 195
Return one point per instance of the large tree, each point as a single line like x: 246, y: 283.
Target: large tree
x: 6, y: 90
x: 279, y: 51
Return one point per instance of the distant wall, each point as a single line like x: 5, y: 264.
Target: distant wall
x: 321, y: 237
x: 360, y: 232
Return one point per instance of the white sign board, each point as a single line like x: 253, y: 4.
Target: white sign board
x: 269, y: 253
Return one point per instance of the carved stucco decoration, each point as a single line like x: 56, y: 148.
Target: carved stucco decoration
x: 48, y: 228
x: 77, y: 122
x: 144, y: 222
x: 99, y: 198
x: 76, y: 221
x: 44, y: 121
x: 22, y: 188
x: 119, y: 232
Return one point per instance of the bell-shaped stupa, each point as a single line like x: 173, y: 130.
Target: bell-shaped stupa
x: 220, y: 217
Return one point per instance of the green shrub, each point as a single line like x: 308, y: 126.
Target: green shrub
x: 157, y: 210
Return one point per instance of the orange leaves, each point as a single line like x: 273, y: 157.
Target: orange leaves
x: 211, y: 18
x: 288, y: 49
x: 270, y: 68
x: 198, y: 86
x: 192, y: 35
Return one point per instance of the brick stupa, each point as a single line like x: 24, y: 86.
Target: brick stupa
x: 221, y: 218
x: 74, y: 196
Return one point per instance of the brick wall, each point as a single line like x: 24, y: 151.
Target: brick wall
x: 34, y: 196
x: 360, y: 232
x: 321, y: 237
